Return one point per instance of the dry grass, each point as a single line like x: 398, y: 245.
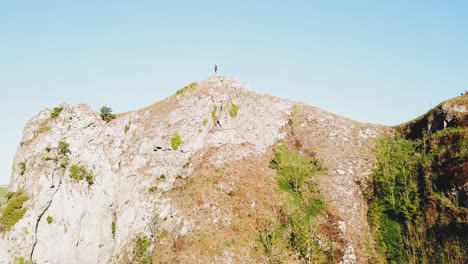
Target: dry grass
x: 226, y: 207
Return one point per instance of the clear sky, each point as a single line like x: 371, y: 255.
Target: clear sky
x: 382, y: 62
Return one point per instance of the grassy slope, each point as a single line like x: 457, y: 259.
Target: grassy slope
x: 413, y: 213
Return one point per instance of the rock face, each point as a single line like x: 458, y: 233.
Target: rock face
x: 135, y: 170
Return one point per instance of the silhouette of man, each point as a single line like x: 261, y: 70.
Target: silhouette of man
x: 216, y: 69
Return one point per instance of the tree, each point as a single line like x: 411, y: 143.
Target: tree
x: 106, y: 113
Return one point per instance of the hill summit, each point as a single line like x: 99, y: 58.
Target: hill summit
x: 213, y: 174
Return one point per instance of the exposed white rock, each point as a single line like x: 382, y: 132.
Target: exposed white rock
x: 127, y: 156
x: 134, y: 163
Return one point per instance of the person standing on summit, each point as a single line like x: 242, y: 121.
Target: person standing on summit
x: 216, y: 69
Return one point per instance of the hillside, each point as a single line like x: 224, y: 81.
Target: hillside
x: 213, y: 174
x: 418, y: 209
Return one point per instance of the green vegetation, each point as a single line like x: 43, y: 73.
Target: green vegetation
x: 9, y: 195
x: 176, y: 141
x: 113, y: 228
x: 412, y: 218
x: 213, y: 115
x: 140, y: 250
x: 127, y: 127
x: 187, y: 88
x: 56, y: 112
x: 233, y: 111
x: 21, y: 260
x: 22, y: 168
x: 13, y: 211
x: 106, y: 113
x: 49, y: 219
x: 3, y: 192
x: 79, y: 173
x: 63, y: 147
x: 299, y: 222
x: 62, y: 154
x: 205, y: 121
x: 295, y: 174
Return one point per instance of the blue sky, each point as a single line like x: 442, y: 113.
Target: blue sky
x: 374, y: 61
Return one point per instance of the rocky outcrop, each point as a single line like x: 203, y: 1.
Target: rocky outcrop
x: 134, y: 169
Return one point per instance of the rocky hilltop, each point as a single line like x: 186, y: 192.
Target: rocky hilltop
x: 214, y: 174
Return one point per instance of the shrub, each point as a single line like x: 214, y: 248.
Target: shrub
x: 22, y: 168
x: 9, y: 195
x: 234, y: 110
x: 49, y: 219
x: 205, y: 121
x: 176, y: 141
x: 56, y: 112
x: 189, y: 87
x: 79, y: 173
x: 106, y: 113
x: 63, y: 147
x: 13, y: 211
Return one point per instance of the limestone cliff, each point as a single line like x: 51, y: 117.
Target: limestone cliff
x: 187, y: 180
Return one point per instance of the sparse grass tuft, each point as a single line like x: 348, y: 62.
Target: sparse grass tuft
x: 63, y: 147
x: 21, y: 260
x: 113, y: 228
x: 176, y: 141
x: 56, y: 112
x: 213, y: 115
x: 79, y: 173
x: 13, y: 211
x: 127, y: 127
x: 140, y: 250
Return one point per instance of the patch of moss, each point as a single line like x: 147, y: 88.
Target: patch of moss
x: 21, y: 260
x: 187, y: 88
x: 176, y: 141
x: 233, y: 111
x: 13, y: 211
x: 80, y: 172
x: 56, y: 112
x: 213, y: 115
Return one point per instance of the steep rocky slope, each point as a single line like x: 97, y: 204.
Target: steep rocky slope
x: 195, y: 178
